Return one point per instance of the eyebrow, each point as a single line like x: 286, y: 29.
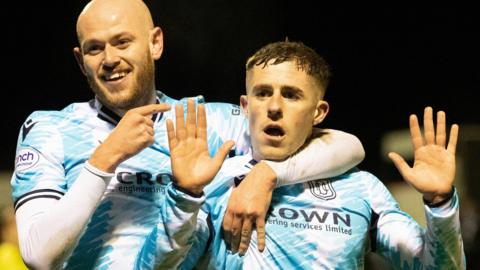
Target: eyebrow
x: 116, y: 36
x: 262, y: 87
x: 291, y: 88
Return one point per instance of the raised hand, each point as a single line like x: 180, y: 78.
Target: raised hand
x: 192, y: 166
x: 433, y: 171
x: 132, y: 134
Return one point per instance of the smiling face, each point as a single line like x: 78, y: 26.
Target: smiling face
x: 282, y: 104
x: 118, y: 46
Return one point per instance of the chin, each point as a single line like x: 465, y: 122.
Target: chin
x: 274, y: 154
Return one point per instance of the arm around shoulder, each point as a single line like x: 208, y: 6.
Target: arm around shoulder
x: 329, y: 153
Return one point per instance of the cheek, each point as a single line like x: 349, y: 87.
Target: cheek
x: 302, y: 123
x: 302, y: 119
x: 91, y: 66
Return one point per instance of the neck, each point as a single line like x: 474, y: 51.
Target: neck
x: 121, y: 112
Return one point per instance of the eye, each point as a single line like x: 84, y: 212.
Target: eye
x: 93, y: 49
x: 291, y: 95
x: 261, y: 93
x: 123, y: 43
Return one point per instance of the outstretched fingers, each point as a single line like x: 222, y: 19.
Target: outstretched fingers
x: 415, y: 133
x: 246, y: 234
x: 191, y: 125
x: 429, y: 129
x: 227, y: 227
x: 181, y: 133
x: 260, y: 226
x: 222, y: 152
x: 441, y: 136
x: 236, y: 231
x: 400, y: 164
x: 201, y: 122
x: 172, y: 140
x: 452, y: 142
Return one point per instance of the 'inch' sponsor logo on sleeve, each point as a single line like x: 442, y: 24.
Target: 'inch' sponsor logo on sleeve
x: 26, y: 158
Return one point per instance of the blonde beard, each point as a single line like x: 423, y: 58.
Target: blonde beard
x: 141, y: 93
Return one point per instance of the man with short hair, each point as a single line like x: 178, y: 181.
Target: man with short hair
x: 322, y: 224
x: 89, y: 179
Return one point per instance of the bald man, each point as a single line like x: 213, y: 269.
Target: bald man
x: 89, y: 178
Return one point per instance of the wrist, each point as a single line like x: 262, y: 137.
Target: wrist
x: 269, y: 177
x: 195, y: 192
x: 88, y: 166
x: 105, y: 160
x: 435, y: 200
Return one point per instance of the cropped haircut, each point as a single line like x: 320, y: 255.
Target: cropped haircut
x: 305, y: 57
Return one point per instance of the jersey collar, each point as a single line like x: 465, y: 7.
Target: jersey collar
x: 111, y: 117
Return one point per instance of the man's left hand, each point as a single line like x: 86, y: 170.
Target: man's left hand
x: 247, y: 208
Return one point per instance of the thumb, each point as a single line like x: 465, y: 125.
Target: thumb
x: 401, y: 165
x: 223, y: 152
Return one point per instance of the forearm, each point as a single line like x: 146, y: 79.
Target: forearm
x: 329, y: 153
x: 444, y: 239
x: 438, y: 247
x: 182, y: 229
x: 49, y: 229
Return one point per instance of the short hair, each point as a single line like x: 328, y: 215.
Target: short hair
x: 306, y: 58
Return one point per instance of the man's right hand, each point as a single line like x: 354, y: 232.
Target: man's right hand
x: 192, y: 166
x: 132, y: 134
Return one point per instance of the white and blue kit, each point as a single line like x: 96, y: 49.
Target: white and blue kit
x: 323, y: 224
x: 53, y: 148
x: 78, y: 217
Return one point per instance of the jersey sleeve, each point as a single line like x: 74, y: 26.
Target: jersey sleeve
x: 38, y: 161
x: 187, y: 235
x: 50, y: 216
x: 180, y: 237
x: 399, y: 239
x: 330, y: 153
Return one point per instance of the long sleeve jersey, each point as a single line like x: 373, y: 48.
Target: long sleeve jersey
x: 71, y: 215
x: 322, y: 224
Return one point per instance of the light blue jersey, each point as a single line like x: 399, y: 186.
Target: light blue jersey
x: 53, y: 147
x: 324, y: 224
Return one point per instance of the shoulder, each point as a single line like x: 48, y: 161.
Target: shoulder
x: 165, y: 99
x: 46, y: 123
x: 362, y: 182
x: 357, y: 174
x: 223, y: 109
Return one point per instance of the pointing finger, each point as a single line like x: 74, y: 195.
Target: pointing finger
x: 152, y: 108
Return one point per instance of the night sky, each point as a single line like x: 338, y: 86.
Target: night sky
x: 387, y: 62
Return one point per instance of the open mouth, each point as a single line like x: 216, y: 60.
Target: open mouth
x: 114, y: 76
x: 274, y: 131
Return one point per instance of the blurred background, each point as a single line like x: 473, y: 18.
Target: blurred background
x: 387, y: 63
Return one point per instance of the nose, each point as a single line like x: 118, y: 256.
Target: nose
x: 111, y: 58
x: 274, y: 109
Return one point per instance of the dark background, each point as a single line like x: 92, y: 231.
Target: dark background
x: 387, y: 62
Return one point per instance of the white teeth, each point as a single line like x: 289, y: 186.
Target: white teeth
x: 115, y: 76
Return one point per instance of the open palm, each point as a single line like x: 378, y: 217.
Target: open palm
x: 192, y: 166
x: 433, y: 171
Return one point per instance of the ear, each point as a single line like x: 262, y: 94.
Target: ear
x: 244, y: 104
x: 79, y: 57
x: 156, y: 43
x: 321, y: 112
